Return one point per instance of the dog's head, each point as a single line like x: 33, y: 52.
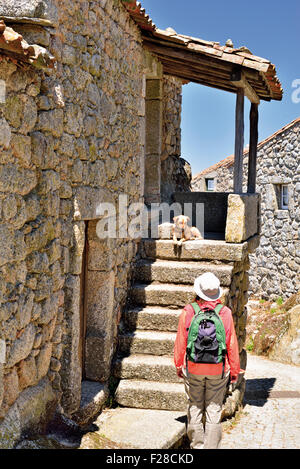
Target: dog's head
x: 181, y: 221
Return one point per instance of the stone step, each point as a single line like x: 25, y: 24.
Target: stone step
x: 146, y: 342
x: 161, y: 294
x: 133, y: 428
x: 151, y: 395
x: 152, y: 318
x: 197, y: 250
x: 93, y: 397
x: 168, y: 271
x: 148, y: 367
x: 165, y: 294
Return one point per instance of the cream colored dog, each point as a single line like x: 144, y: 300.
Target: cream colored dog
x: 183, y: 231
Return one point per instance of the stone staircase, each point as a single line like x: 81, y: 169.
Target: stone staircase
x: 163, y: 284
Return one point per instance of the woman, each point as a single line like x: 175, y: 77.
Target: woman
x: 205, y: 384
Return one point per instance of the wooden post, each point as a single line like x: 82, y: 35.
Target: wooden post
x: 239, y: 142
x: 253, y: 148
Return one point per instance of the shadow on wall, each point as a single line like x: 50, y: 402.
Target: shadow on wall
x: 215, y: 210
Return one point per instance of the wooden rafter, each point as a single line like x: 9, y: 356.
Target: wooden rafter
x: 179, y: 53
x: 239, y: 80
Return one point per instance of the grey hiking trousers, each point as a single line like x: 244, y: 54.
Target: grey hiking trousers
x: 205, y: 398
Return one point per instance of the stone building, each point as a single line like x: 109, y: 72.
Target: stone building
x: 275, y: 265
x: 90, y: 110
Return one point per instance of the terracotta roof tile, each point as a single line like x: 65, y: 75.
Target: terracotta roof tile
x: 226, y: 163
x: 241, y: 56
x: 19, y: 51
x: 139, y: 14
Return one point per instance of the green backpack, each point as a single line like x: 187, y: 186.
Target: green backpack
x: 206, y: 342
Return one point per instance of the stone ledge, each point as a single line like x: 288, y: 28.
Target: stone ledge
x: 198, y: 250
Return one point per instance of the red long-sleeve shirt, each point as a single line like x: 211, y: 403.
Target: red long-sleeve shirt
x: 232, y: 361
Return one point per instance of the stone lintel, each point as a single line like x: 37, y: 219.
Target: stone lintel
x: 88, y: 200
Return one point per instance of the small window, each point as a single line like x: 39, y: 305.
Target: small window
x: 210, y: 184
x: 284, y: 197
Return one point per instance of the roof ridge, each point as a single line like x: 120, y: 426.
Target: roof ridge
x: 229, y: 160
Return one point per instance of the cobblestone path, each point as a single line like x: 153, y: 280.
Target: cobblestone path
x: 271, y: 414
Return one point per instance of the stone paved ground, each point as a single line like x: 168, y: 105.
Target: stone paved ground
x: 268, y: 422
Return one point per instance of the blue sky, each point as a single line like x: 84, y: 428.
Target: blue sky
x: 270, y: 29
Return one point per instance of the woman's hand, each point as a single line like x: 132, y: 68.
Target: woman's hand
x: 179, y: 372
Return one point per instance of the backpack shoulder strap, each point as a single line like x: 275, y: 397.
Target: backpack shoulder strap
x: 190, y: 314
x: 196, y: 307
x: 218, y: 308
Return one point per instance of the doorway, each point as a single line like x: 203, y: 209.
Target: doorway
x: 83, y: 301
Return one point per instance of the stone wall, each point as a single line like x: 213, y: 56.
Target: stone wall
x: 69, y: 141
x: 237, y: 300
x: 172, y: 104
x: 221, y: 173
x: 275, y: 265
x: 32, y: 297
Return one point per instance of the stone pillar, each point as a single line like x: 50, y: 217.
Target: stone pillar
x: 100, y: 283
x: 153, y: 130
x: 153, y: 140
x: 242, y: 217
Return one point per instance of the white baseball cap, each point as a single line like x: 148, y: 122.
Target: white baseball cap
x: 207, y: 287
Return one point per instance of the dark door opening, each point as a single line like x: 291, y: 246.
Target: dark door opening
x: 83, y: 298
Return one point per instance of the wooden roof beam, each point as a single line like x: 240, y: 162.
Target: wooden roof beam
x: 239, y: 80
x: 167, y: 53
